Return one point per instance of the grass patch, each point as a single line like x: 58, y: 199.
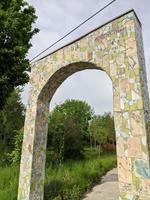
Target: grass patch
x: 73, y: 178
x: 68, y: 182
x: 9, y: 183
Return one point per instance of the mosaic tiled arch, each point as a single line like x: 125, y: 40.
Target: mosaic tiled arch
x: 117, y: 49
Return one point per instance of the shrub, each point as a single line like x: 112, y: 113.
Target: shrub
x: 15, y: 155
x: 53, y: 188
x: 72, y: 194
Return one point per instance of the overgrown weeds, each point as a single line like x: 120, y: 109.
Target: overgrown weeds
x: 68, y: 182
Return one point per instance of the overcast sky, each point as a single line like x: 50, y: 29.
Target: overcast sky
x: 57, y: 17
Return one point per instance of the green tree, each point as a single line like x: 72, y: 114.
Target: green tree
x: 16, y: 19
x: 56, y: 137
x: 102, y: 130
x: 15, y: 156
x: 98, y: 132
x: 73, y: 142
x: 68, y: 129
x: 11, y: 119
x: 108, y: 122
x: 81, y: 112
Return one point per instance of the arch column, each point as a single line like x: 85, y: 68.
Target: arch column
x: 131, y: 115
x: 32, y: 167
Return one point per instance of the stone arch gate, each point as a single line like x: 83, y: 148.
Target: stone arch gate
x: 117, y: 49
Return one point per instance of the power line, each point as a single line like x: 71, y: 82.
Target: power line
x: 73, y: 30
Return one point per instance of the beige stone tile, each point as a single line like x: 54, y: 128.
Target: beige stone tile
x: 125, y: 170
x: 134, y: 147
x: 137, y: 123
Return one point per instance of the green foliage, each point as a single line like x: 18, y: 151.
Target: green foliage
x: 81, y: 112
x: 97, y: 131
x: 53, y: 188
x: 69, y: 182
x: 56, y: 137
x: 9, y: 182
x: 16, y: 20
x: 102, y: 128
x: 11, y: 120
x: 74, y: 178
x: 107, y: 121
x: 15, y: 155
x: 73, y: 143
x: 73, y: 193
x: 68, y: 129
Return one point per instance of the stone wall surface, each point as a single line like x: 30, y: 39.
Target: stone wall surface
x: 117, y: 49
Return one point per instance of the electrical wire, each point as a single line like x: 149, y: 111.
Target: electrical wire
x: 93, y: 15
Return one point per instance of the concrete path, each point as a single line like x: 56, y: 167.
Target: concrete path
x: 107, y: 190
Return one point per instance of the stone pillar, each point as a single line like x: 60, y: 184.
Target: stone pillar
x: 131, y: 110
x: 32, y: 169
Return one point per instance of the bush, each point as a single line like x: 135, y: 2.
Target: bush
x: 53, y: 189
x: 15, y: 155
x: 72, y: 194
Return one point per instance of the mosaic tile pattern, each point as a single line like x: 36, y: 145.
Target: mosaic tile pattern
x: 117, y: 49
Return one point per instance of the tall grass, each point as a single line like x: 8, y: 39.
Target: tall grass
x: 68, y: 182
x: 73, y: 178
x: 9, y: 183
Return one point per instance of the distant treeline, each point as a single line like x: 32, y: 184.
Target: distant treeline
x: 72, y: 127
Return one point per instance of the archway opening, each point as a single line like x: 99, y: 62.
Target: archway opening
x: 93, y: 87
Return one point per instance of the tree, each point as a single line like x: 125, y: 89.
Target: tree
x: 15, y: 156
x: 56, y: 137
x: 81, y: 112
x: 68, y: 129
x: 16, y: 19
x: 11, y: 119
x: 73, y: 143
x: 98, y: 132
x: 102, y: 130
x: 108, y: 123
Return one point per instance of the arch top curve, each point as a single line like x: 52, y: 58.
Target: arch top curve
x: 111, y: 47
x: 59, y: 76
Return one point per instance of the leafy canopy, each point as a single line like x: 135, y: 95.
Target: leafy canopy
x: 97, y: 130
x: 80, y: 110
x: 16, y: 19
x: 102, y: 129
x: 11, y: 119
x: 68, y: 129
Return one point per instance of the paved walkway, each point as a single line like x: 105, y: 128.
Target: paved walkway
x: 107, y: 190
